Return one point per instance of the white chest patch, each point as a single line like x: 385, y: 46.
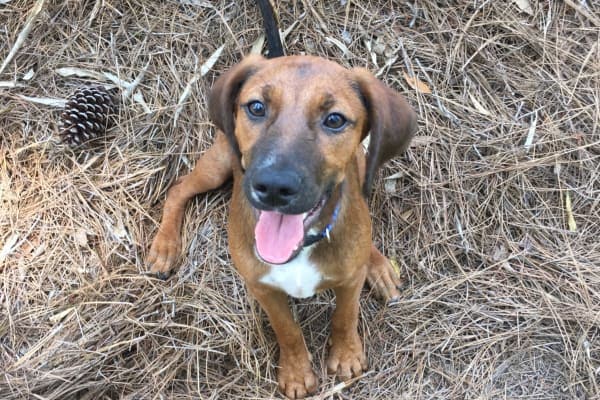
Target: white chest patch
x: 299, y: 278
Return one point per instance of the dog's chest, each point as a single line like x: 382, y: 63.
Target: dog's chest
x: 299, y: 278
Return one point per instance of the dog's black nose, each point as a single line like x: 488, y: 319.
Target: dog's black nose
x: 275, y: 188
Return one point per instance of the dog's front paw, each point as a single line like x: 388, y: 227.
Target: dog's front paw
x: 382, y: 278
x: 346, y: 357
x: 164, y: 252
x: 296, y: 380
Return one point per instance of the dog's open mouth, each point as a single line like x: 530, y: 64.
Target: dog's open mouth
x: 280, y: 237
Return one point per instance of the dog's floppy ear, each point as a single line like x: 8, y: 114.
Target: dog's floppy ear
x: 223, y: 96
x: 391, y: 122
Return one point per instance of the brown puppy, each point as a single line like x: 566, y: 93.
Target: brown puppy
x: 290, y: 130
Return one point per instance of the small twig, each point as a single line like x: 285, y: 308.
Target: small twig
x: 23, y: 35
x: 129, y: 90
x: 204, y: 68
x: 592, y: 18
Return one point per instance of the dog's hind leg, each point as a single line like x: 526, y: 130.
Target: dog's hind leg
x: 212, y: 169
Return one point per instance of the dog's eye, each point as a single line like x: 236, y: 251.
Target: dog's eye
x: 256, y: 109
x: 335, y: 121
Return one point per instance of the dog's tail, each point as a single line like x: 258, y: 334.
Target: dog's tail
x: 274, y: 45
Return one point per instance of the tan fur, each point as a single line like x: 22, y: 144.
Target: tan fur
x: 297, y: 88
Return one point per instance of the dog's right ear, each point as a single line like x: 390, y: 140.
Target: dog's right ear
x: 223, y: 96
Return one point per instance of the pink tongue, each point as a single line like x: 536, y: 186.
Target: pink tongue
x: 277, y: 235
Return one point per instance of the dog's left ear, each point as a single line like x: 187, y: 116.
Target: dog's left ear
x: 223, y: 96
x: 391, y: 122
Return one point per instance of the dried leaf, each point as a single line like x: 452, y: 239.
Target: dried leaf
x: 30, y: 245
x: 395, y: 266
x: 126, y: 87
x: 339, y: 44
x: 397, y: 175
x: 22, y: 270
x: 9, y: 246
x: 389, y: 62
x: 129, y: 89
x: 10, y: 84
x: 26, y: 248
x: 38, y: 250
x: 210, y: 62
x: 506, y: 265
x: 500, y: 253
x: 121, y: 83
x: 423, y: 140
x: 119, y: 230
x: 284, y: 34
x: 80, y: 237
x: 525, y: 6
x: 28, y: 75
x: 531, y: 132
x: 557, y: 169
x: 184, y: 95
x: 570, y: 219
x: 346, y: 37
x: 416, y: 84
x: 379, y: 46
x: 478, y: 105
x: 138, y: 97
x: 407, y: 215
x: 369, y: 46
x: 89, y: 163
x: 80, y: 73
x: 61, y: 315
x: 258, y: 45
x: 390, y: 186
x: 47, y: 101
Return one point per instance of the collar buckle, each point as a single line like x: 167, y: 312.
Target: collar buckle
x: 325, y: 233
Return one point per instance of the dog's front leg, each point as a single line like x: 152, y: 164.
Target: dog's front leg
x: 295, y: 376
x: 346, y: 356
x: 212, y: 169
x: 382, y: 277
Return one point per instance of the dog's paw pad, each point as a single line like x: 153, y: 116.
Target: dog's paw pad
x: 346, y: 359
x: 297, y: 382
x: 163, y: 254
x: 384, y: 280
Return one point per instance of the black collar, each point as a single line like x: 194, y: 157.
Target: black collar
x: 309, y: 240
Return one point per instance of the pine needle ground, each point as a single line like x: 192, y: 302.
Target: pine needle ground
x: 492, y: 216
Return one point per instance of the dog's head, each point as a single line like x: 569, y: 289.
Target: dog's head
x: 296, y: 123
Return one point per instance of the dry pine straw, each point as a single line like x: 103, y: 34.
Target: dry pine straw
x: 492, y: 215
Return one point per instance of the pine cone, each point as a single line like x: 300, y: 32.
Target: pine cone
x: 87, y: 115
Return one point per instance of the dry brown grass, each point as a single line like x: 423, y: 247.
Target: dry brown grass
x: 501, y: 298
